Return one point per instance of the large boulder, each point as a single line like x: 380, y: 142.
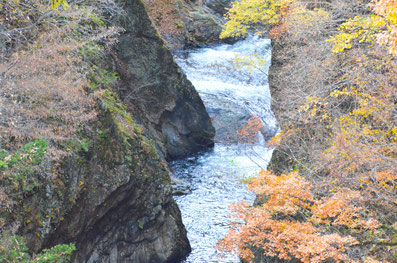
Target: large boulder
x: 201, y: 24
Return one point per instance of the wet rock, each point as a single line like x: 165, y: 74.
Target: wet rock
x: 179, y: 187
x: 197, y: 24
x: 202, y: 25
x: 181, y: 190
x: 229, y: 118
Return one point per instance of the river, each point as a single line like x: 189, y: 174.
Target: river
x: 231, y: 95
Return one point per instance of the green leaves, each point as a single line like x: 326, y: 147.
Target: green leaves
x: 19, y: 168
x: 13, y: 249
x: 57, y: 254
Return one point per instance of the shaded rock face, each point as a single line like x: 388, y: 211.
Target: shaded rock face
x: 123, y: 207
x: 157, y: 93
x: 219, y: 6
x: 228, y: 118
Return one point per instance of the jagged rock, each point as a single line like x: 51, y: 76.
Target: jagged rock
x: 157, y: 93
x: 117, y: 203
x: 179, y: 187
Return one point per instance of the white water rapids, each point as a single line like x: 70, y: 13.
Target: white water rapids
x: 214, y: 177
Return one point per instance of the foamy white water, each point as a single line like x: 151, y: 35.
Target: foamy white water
x: 215, y: 176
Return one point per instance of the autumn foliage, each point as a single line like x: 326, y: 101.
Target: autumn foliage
x: 332, y: 192
x: 250, y: 130
x: 288, y: 223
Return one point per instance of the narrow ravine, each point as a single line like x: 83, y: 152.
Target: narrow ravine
x: 215, y: 178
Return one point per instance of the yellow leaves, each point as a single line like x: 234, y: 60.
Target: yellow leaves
x: 276, y: 140
x: 359, y: 28
x: 281, y: 14
x: 245, y: 14
x: 381, y: 26
x: 316, y: 107
x: 250, y: 62
x: 393, y: 133
x: 310, y: 101
x: 341, y: 42
x: 56, y: 3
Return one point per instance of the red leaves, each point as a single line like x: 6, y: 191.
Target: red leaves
x: 251, y: 129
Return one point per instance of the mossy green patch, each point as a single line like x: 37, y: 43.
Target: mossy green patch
x: 19, y: 168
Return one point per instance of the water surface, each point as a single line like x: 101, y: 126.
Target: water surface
x: 231, y: 97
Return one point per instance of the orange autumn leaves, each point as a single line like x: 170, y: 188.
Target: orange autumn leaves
x: 338, y: 115
x: 250, y: 130
x: 387, y: 9
x: 290, y: 222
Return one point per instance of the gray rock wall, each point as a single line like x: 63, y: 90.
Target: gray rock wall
x: 117, y: 202
x: 157, y: 93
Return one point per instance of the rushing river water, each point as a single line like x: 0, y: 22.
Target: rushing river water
x: 231, y: 96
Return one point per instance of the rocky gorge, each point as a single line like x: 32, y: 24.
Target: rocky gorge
x: 112, y: 196
x: 110, y: 193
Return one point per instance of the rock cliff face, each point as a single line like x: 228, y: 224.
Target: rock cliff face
x: 156, y: 91
x: 126, y: 212
x: 123, y: 207
x: 280, y: 160
x: 113, y: 197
